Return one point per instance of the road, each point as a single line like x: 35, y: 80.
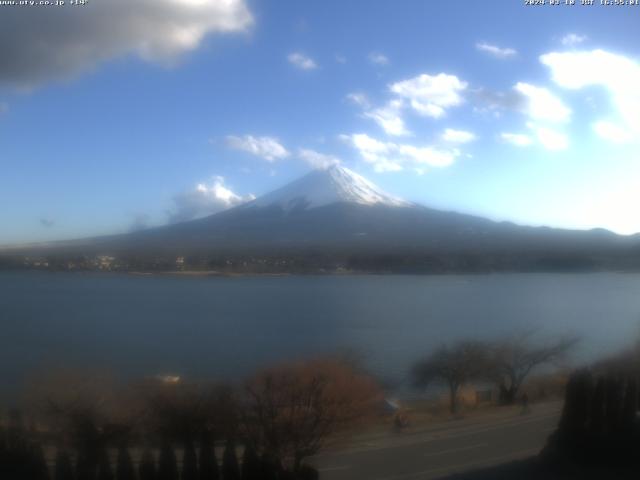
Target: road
x: 451, y: 447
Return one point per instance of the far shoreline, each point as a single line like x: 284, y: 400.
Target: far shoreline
x: 326, y: 273
x: 202, y: 273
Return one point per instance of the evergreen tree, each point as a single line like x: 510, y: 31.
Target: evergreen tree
x: 286, y: 475
x: 628, y: 444
x: 189, y: 463
x: 307, y: 472
x: 3, y: 441
x: 147, y: 467
x: 575, y: 414
x: 16, y: 455
x: 63, y: 469
x: 208, y: 463
x: 230, y: 467
x: 614, y: 401
x: 251, y: 466
x: 628, y: 419
x: 167, y: 463
x: 629, y: 407
x: 269, y: 467
x: 86, y: 466
x: 124, y: 468
x: 597, y: 416
x: 104, y: 466
x: 38, y: 464
x: 3, y: 451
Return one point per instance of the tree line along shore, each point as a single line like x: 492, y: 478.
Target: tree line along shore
x: 74, y: 425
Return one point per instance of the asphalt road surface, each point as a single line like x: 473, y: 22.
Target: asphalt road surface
x: 451, y: 447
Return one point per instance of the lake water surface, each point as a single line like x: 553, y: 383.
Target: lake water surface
x: 226, y: 327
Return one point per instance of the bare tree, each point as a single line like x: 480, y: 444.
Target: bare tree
x: 85, y: 408
x: 184, y: 411
x: 453, y: 366
x: 290, y: 411
x: 513, y: 359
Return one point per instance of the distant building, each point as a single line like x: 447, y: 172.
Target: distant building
x: 104, y: 262
x: 38, y: 262
x: 472, y: 396
x: 169, y: 379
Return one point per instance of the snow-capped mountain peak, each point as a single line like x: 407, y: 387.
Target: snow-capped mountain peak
x: 323, y: 187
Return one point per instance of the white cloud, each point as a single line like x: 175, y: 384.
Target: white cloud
x: 318, y: 160
x: 517, y: 139
x: 205, y: 199
x: 572, y: 39
x: 374, y: 152
x: 431, y: 95
x: 267, y: 148
x: 457, y: 136
x: 428, y: 95
x: 428, y: 156
x: 58, y: 44
x: 360, y: 99
x: 612, y: 132
x: 541, y: 104
x: 551, y: 139
x: 389, y: 118
x: 496, y: 51
x: 301, y: 61
x: 618, y: 74
x: 392, y: 157
x: 378, y: 58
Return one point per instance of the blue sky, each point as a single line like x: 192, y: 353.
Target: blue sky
x: 120, y: 114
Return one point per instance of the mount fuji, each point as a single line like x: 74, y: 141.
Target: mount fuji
x: 323, y: 187
x: 335, y: 218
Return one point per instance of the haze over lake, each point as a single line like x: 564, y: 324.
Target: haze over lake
x: 227, y: 327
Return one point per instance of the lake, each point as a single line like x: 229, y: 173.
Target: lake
x: 226, y: 327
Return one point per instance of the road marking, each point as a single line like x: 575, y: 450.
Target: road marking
x: 333, y: 469
x: 453, y: 433
x: 499, y: 426
x: 436, y: 430
x: 456, y: 450
x: 458, y: 468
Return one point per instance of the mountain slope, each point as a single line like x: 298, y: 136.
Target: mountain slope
x: 336, y: 217
x: 324, y: 187
x: 336, y: 208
